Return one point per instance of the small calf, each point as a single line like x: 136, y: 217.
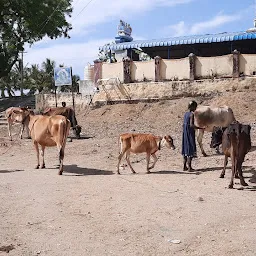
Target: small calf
x: 11, y: 119
x: 236, y: 143
x: 142, y: 143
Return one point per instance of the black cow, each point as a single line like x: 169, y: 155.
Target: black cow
x: 236, y: 143
x: 216, y: 139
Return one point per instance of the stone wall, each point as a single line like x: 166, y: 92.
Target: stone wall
x: 176, y: 69
x: 113, y: 70
x: 190, y: 68
x: 247, y: 64
x: 149, y: 91
x: 143, y: 71
x: 48, y: 100
x: 173, y: 89
x: 220, y: 66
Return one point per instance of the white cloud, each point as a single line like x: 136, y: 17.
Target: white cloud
x: 215, y: 22
x: 136, y: 37
x: 98, y: 12
x: 172, y: 3
x: 181, y: 28
x: 85, y: 19
x: 76, y: 55
x: 178, y: 29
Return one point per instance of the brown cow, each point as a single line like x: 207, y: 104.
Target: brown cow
x: 11, y: 120
x: 47, y: 131
x: 209, y: 117
x: 236, y: 143
x: 69, y: 113
x: 140, y: 143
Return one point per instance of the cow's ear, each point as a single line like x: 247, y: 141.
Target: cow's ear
x: 246, y: 129
x: 223, y: 129
x: 17, y: 111
x: 167, y: 137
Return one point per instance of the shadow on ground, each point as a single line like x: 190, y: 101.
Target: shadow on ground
x: 211, y: 169
x: 10, y: 171
x: 195, y: 172
x: 80, y: 171
x: 253, y: 148
x: 172, y: 172
x: 251, y: 170
x: 82, y: 137
x: 249, y: 188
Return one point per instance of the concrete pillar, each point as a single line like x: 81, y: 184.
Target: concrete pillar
x: 236, y: 71
x: 127, y: 70
x: 97, y: 70
x: 157, y: 68
x: 192, y: 66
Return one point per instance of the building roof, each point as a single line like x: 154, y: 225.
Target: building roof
x: 196, y: 39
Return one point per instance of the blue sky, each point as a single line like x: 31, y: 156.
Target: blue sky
x: 95, y: 23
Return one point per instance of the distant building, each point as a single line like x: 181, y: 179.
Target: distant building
x: 209, y: 56
x: 180, y: 47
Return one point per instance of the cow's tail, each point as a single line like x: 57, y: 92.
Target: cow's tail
x: 119, y: 144
x: 64, y: 129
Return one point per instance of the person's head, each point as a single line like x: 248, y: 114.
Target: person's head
x: 63, y: 103
x: 192, y: 105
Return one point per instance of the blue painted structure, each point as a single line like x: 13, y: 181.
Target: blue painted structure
x: 184, y: 40
x: 63, y: 76
x: 124, y: 31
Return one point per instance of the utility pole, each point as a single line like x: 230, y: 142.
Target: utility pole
x: 21, y: 74
x: 72, y: 91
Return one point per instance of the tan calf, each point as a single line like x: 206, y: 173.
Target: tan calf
x: 142, y: 143
x: 47, y: 131
x: 11, y: 119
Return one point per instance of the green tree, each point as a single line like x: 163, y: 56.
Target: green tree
x: 67, y: 88
x: 9, y: 83
x: 40, y: 79
x: 34, y: 79
x: 48, y: 70
x: 28, y: 21
x: 75, y: 84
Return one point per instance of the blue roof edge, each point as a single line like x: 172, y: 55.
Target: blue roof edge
x: 196, y: 39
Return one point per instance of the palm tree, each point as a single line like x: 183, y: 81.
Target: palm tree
x: 48, y: 69
x: 41, y: 80
x: 48, y: 66
x: 75, y: 84
x: 35, y: 79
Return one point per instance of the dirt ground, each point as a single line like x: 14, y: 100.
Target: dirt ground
x: 90, y: 210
